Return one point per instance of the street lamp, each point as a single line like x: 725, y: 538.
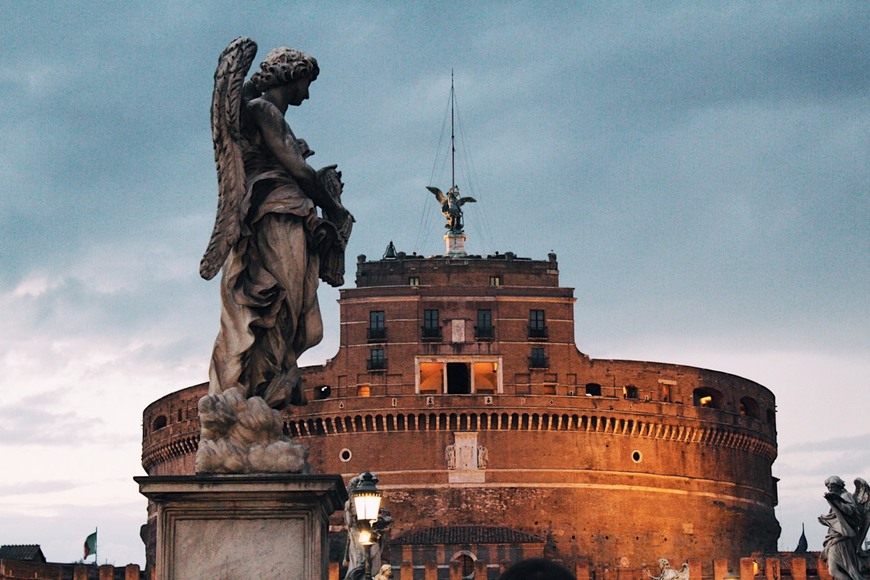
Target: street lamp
x: 367, y: 505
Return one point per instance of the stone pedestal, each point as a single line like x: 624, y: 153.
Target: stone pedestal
x: 455, y: 245
x: 238, y: 527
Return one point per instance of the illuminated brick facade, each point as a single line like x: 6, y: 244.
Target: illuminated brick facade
x: 458, y: 381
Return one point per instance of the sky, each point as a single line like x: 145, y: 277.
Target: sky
x: 700, y: 169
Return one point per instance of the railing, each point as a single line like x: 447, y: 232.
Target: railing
x: 430, y: 333
x: 377, y: 364
x: 484, y: 333
x: 377, y: 334
x: 538, y: 332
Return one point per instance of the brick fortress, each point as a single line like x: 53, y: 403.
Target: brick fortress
x: 458, y: 382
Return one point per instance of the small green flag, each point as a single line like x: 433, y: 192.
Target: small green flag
x: 91, y: 545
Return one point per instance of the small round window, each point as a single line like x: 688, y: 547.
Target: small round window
x: 345, y: 455
x: 636, y: 456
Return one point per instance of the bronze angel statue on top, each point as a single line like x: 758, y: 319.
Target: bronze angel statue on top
x: 847, y: 523
x: 269, y: 238
x: 451, y: 207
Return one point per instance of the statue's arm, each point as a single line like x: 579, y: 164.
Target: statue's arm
x: 276, y: 137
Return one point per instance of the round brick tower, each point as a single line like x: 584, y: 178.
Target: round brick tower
x: 458, y: 381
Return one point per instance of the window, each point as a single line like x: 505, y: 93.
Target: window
x: 377, y: 327
x: 377, y: 361
x: 537, y: 324
x: 538, y: 360
x: 495, y: 280
x: 414, y: 281
x: 484, y: 330
x: 703, y: 397
x: 629, y: 392
x: 458, y: 375
x: 666, y: 392
x: 593, y: 390
x: 322, y: 392
x: 159, y: 423
x: 749, y: 406
x: 466, y: 565
x: 431, y: 325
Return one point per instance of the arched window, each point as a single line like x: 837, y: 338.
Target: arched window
x: 749, y: 407
x: 706, y: 397
x: 159, y: 423
x: 466, y: 564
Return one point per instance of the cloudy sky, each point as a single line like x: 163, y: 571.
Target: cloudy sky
x: 700, y: 169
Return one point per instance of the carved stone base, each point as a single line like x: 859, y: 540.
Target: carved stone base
x: 455, y: 245
x: 243, y: 526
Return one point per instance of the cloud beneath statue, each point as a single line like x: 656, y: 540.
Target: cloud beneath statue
x: 242, y: 435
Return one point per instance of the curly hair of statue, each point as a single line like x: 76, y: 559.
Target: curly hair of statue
x: 282, y: 65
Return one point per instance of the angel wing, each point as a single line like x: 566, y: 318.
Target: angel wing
x: 683, y: 572
x: 440, y: 196
x: 463, y: 200
x: 226, y: 112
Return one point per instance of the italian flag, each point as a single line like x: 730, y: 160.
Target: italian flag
x: 91, y: 544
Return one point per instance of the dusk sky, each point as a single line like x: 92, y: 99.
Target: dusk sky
x: 700, y: 169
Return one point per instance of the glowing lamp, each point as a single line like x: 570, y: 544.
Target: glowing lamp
x: 367, y: 498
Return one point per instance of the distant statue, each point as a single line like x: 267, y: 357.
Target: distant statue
x: 451, y: 207
x: 450, y: 456
x: 847, y: 523
x: 668, y: 573
x: 354, y: 551
x: 269, y: 239
x: 482, y: 457
x: 385, y: 573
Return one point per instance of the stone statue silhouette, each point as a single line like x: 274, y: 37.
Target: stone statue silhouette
x: 451, y: 206
x: 847, y: 523
x: 268, y: 238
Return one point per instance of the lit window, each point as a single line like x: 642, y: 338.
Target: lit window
x: 495, y: 280
x: 414, y: 281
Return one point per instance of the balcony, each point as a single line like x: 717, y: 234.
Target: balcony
x: 538, y: 362
x: 538, y: 333
x: 432, y: 334
x: 376, y: 364
x: 484, y: 333
x: 377, y: 334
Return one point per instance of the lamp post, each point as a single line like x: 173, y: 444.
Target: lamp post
x: 367, y: 505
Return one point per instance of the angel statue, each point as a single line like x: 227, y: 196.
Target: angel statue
x: 269, y: 238
x: 668, y: 573
x: 451, y: 207
x: 847, y: 523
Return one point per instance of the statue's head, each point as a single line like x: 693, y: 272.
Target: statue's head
x: 835, y: 482
x: 664, y: 564
x: 282, y: 66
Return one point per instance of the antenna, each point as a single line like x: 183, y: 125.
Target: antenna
x: 452, y: 136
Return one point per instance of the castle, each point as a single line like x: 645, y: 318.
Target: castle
x: 458, y: 381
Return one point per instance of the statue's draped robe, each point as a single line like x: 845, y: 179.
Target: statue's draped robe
x: 270, y: 313
x: 840, y: 549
